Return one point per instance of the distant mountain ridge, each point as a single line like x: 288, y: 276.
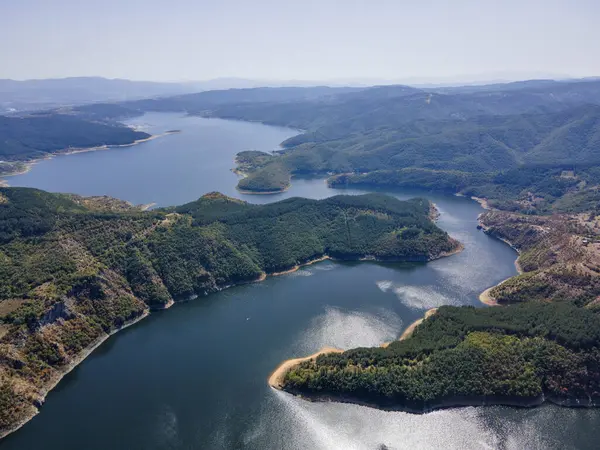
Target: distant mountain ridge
x: 40, y: 94
x: 498, y: 127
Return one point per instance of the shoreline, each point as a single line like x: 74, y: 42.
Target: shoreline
x: 482, y: 201
x: 79, y: 358
x: 299, y: 266
x: 411, y: 328
x: 275, y: 380
x: 452, y: 402
x: 73, y: 151
x: 247, y: 192
x: 63, y: 371
x: 485, y: 297
x: 240, y: 173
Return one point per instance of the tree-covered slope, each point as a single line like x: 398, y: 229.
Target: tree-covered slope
x: 397, y: 127
x: 542, y: 344
x: 564, y: 139
x: 516, y: 355
x: 25, y: 138
x: 74, y: 269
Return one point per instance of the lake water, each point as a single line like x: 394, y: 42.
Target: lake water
x: 194, y: 376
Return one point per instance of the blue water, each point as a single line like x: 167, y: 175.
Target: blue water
x: 194, y: 376
x: 170, y: 170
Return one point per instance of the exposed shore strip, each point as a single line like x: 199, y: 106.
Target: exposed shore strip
x: 411, y: 328
x: 72, y: 151
x: 79, y: 358
x: 62, y: 371
x: 298, y: 266
x: 483, y: 202
x: 486, y: 297
x: 276, y: 378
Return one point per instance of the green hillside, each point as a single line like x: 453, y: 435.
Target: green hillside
x: 31, y: 137
x: 74, y: 269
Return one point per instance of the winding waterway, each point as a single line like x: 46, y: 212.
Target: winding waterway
x: 195, y: 376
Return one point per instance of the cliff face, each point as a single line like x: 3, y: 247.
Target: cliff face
x: 74, y: 270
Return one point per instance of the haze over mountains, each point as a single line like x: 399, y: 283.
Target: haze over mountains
x: 27, y: 95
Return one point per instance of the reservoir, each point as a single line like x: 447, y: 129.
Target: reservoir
x: 195, y: 376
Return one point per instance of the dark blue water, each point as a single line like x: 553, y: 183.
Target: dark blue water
x: 194, y: 376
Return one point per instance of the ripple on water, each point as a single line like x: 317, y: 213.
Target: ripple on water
x: 299, y: 424
x: 349, y: 329
x: 417, y: 297
x: 167, y: 428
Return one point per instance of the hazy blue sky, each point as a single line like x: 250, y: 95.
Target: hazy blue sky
x: 297, y: 39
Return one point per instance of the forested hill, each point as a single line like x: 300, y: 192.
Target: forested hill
x: 74, y: 269
x: 347, y: 110
x: 490, y: 129
x: 518, y: 355
x: 205, y: 102
x: 35, y: 136
x: 543, y: 344
x: 567, y: 140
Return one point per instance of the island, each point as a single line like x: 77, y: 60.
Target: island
x: 74, y: 270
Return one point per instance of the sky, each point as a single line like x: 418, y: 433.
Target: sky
x: 179, y: 40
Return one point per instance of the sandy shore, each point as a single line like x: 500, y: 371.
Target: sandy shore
x: 276, y: 378
x: 296, y: 267
x: 482, y: 201
x: 147, y: 206
x: 459, y: 248
x: 486, y: 296
x: 411, y: 328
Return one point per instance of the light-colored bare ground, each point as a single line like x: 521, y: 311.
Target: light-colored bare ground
x: 277, y: 377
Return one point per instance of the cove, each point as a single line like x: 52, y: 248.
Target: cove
x: 195, y: 376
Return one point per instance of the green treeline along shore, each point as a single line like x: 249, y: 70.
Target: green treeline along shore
x: 73, y: 270
x: 542, y: 343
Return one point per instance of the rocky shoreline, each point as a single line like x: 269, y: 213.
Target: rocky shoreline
x: 485, y: 297
x: 79, y: 358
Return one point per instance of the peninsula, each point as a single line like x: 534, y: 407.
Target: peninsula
x: 74, y: 270
x: 25, y: 140
x: 542, y: 345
